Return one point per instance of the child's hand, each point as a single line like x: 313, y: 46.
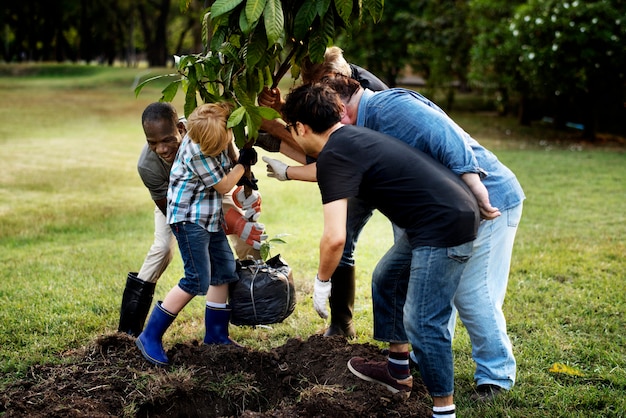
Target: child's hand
x: 251, y: 205
x: 250, y: 182
x: 247, y: 157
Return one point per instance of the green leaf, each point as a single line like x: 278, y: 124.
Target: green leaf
x: 253, y: 119
x: 344, y: 8
x: 191, y: 101
x: 268, y: 113
x: 169, y: 92
x: 274, y: 21
x: 254, y: 9
x: 327, y: 28
x: 317, y: 45
x: 245, y: 27
x: 241, y: 94
x: 221, y: 7
x: 265, y: 251
x: 322, y: 7
x: 304, y: 19
x: 236, y: 117
x: 141, y: 85
x: 260, y: 72
x: 231, y: 53
x: 218, y: 38
x: 207, y: 29
x: 278, y: 241
x: 240, y: 135
x: 255, y: 49
x: 375, y: 8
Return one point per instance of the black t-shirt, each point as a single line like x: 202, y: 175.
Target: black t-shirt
x: 409, y: 187
x: 367, y: 79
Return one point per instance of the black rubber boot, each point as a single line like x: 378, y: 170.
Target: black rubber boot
x: 136, y: 303
x: 342, y: 302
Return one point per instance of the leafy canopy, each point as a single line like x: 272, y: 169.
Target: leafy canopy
x: 252, y: 44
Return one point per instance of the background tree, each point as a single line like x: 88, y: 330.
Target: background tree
x: 493, y: 65
x: 573, y: 54
x: 382, y: 47
x: 429, y: 37
x: 94, y: 30
x: 444, y: 44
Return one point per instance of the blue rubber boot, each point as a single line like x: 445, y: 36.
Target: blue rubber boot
x: 150, y: 340
x: 216, y: 321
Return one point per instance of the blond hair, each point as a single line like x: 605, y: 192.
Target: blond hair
x: 206, y: 126
x: 334, y: 63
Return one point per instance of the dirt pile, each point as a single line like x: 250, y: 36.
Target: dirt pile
x: 299, y: 379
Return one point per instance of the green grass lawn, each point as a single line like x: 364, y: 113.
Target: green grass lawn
x: 75, y: 218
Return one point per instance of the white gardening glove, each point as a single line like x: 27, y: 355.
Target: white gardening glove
x: 276, y: 169
x: 251, y: 205
x: 321, y: 293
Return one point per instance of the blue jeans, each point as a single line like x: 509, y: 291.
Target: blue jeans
x: 420, y: 307
x: 480, y: 296
x: 359, y: 212
x: 207, y: 258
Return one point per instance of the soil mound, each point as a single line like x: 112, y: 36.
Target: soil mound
x: 299, y: 379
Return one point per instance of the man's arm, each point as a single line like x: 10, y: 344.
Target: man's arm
x: 288, y: 145
x: 333, y: 238
x: 162, y: 205
x: 481, y: 194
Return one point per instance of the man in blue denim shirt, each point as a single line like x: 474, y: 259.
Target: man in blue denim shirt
x: 412, y: 118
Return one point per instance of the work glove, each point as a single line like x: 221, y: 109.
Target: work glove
x: 251, y: 205
x: 268, y: 142
x: 250, y: 182
x: 251, y: 232
x: 276, y: 169
x: 321, y: 293
x: 247, y: 157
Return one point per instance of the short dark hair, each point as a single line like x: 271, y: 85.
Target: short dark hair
x: 346, y: 87
x: 159, y: 111
x: 316, y: 105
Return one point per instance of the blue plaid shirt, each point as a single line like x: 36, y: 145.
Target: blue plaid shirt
x: 191, y: 196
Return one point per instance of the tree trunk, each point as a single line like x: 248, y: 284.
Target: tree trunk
x: 155, y: 35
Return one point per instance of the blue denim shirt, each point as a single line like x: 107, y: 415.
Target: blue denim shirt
x: 412, y: 118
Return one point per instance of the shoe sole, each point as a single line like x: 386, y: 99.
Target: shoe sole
x: 360, y: 375
x: 146, y: 356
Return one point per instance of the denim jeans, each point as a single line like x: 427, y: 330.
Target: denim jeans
x: 480, y: 296
x: 422, y: 307
x: 207, y: 258
x: 359, y: 212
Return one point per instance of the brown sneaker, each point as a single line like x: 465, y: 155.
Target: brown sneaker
x: 377, y: 372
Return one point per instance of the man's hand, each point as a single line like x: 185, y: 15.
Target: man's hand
x: 251, y: 205
x: 268, y: 142
x: 250, y: 232
x: 321, y: 293
x: 271, y: 98
x: 276, y: 169
x: 479, y: 191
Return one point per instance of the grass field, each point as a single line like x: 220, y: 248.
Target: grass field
x: 75, y: 218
